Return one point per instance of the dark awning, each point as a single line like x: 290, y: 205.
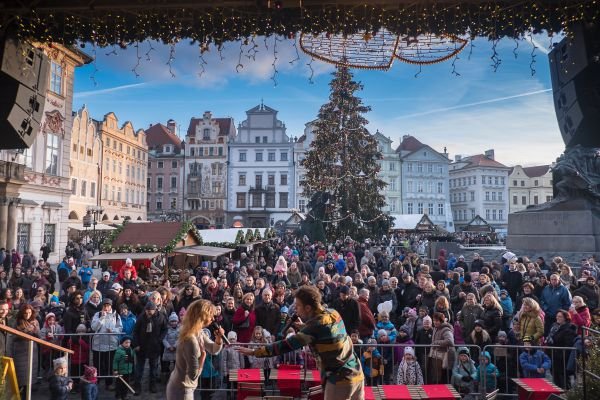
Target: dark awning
x: 51, y: 204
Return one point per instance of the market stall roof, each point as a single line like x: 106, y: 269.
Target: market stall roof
x: 411, y: 222
x: 478, y: 224
x: 225, y: 235
x: 124, y: 256
x: 207, y: 251
x: 78, y: 226
x: 159, y: 234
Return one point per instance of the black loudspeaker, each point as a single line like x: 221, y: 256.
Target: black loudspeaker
x: 24, y: 80
x: 575, y: 72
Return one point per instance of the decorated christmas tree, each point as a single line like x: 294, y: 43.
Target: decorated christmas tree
x: 341, y: 166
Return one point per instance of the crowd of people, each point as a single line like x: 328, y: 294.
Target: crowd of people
x: 440, y: 316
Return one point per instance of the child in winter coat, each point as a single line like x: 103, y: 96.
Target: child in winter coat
x: 89, y: 384
x: 81, y: 353
x: 372, y: 363
x: 404, y: 339
x: 411, y: 320
x: 534, y: 362
x: 123, y: 366
x: 464, y: 372
x: 385, y: 324
x: 128, y: 320
x: 170, y: 340
x: 487, y: 372
x: 424, y: 336
x: 409, y: 371
x: 230, y: 359
x: 51, y: 332
x: 266, y: 363
x: 507, y: 309
x: 59, y: 384
x: 387, y: 353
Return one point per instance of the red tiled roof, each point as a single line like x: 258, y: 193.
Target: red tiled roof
x: 224, y: 125
x: 155, y: 233
x: 409, y: 143
x: 535, y: 171
x: 158, y: 135
x: 480, y: 160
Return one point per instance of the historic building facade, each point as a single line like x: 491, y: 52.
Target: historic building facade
x: 35, y: 186
x: 529, y: 186
x: 390, y: 173
x: 424, y: 182
x: 85, y: 161
x: 123, y: 171
x: 260, y: 180
x: 165, y: 181
x: 479, y: 187
x: 205, y: 170
x: 301, y: 146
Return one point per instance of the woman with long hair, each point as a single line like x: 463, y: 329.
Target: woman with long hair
x: 244, y: 319
x: 492, y: 315
x: 26, y: 322
x: 530, y: 321
x: 192, y: 347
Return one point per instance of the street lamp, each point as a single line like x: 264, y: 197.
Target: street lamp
x: 92, y: 216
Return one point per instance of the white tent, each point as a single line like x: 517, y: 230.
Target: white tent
x: 225, y: 235
x: 406, y: 222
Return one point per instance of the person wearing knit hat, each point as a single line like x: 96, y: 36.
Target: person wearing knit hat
x: 123, y: 367
x: 89, y: 383
x: 170, y: 340
x: 409, y: 370
x: 59, y: 383
x: 464, y: 372
x: 534, y: 362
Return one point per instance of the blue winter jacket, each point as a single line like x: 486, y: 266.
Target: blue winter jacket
x: 128, y: 323
x: 489, y: 372
x: 555, y: 298
x: 507, y: 306
x: 530, y: 362
x: 340, y: 266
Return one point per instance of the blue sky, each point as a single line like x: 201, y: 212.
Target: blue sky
x: 508, y: 110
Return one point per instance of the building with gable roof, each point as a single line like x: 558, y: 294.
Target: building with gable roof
x: 390, y: 172
x: 205, y: 170
x: 479, y: 187
x: 123, y: 172
x: 261, y: 171
x: 165, y: 172
x: 424, y: 181
x: 529, y: 186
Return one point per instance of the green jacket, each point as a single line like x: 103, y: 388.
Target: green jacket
x: 123, y: 361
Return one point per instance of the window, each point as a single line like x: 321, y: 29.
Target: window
x: 93, y: 189
x: 430, y: 168
x: 283, y: 200
x: 220, y: 150
x: 472, y: 213
x: 74, y: 187
x: 271, y: 156
x: 419, y: 188
x: 409, y: 167
x: 119, y: 193
x: 440, y: 187
x: 206, y: 134
x: 257, y: 139
x: 494, y: 215
x: 159, y: 183
x: 502, y: 180
x: 242, y: 157
x: 256, y: 200
x: 500, y: 196
x: 211, y: 151
x: 495, y: 180
x: 259, y: 157
x: 535, y: 183
x: 501, y: 215
x: 523, y: 200
x: 419, y: 167
x: 522, y: 183
x: 409, y: 187
x: 174, y: 203
x: 393, y: 184
x: 283, y: 180
x: 161, y: 164
x: 548, y: 199
x: 270, y: 200
x: 83, y: 188
x: 264, y: 139
x: 429, y: 187
x: 108, y: 142
x: 106, y: 192
x: 240, y: 200
x: 271, y: 180
x: 515, y: 183
x: 174, y: 164
x: 56, y: 78
x: 127, y: 170
x: 392, y: 205
x: 258, y: 181
x: 392, y: 166
x: 242, y: 180
x: 409, y: 208
x: 535, y: 200
x: 515, y: 200
x: 114, y: 166
x: 120, y: 168
x: 50, y: 235
x: 52, y: 149
x: 419, y: 208
x: 302, y: 205
x: 148, y: 183
x: 493, y: 196
x: 159, y: 204
x: 23, y: 237
x: 440, y: 208
x: 487, y: 215
x: 487, y: 196
x: 472, y: 194
x: 430, y: 208
x: 114, y: 144
x: 284, y: 156
x: 173, y: 182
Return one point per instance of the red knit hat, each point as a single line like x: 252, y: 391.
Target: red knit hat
x: 90, y: 373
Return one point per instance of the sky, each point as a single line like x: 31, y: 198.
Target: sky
x: 468, y: 106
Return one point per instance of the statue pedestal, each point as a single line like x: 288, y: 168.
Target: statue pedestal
x: 566, y: 228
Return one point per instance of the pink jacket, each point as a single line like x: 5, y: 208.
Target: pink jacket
x: 581, y: 317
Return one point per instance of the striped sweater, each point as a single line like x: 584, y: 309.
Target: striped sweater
x: 326, y: 336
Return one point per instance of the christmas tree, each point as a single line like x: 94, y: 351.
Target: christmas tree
x: 341, y: 166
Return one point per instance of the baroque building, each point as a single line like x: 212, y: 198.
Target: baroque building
x: 389, y: 172
x: 35, y: 185
x: 123, y: 171
x: 260, y: 177
x: 165, y: 181
x: 205, y: 170
x: 529, y: 186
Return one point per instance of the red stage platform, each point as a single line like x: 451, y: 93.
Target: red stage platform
x: 536, y: 388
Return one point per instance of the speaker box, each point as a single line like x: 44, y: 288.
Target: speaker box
x: 575, y: 73
x: 24, y: 80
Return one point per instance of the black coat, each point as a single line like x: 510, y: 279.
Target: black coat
x: 591, y: 295
x: 408, y: 295
x: 269, y: 317
x: 58, y: 387
x: 73, y: 317
x: 492, y: 320
x: 150, y: 343
x: 350, y: 312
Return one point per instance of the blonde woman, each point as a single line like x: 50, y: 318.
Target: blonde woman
x: 530, y: 320
x: 492, y: 315
x: 192, y: 346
